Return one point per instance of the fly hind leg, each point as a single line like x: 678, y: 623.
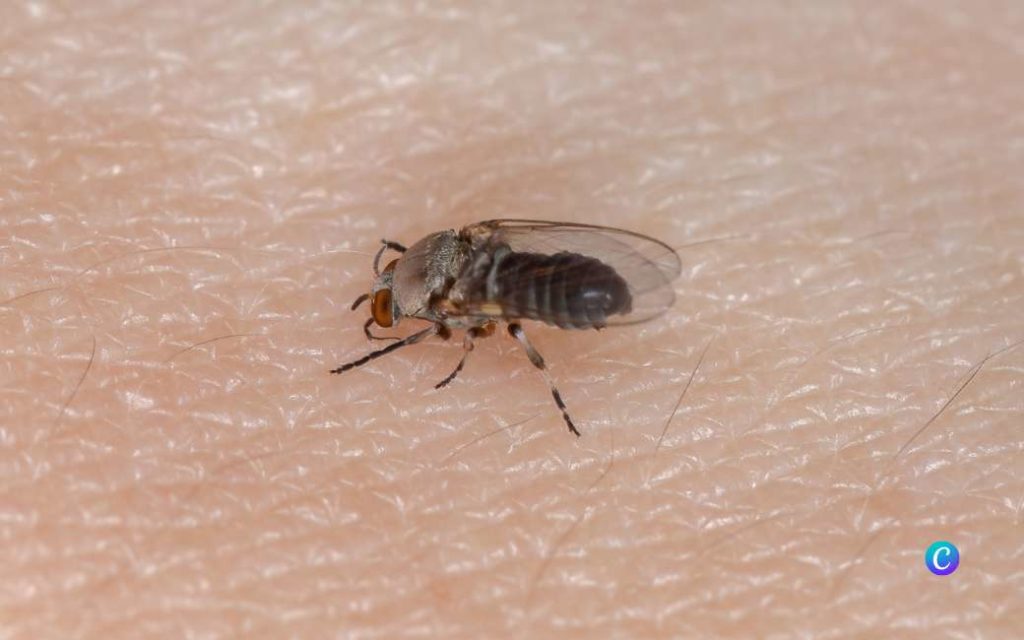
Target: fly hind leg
x: 467, y: 346
x: 517, y: 332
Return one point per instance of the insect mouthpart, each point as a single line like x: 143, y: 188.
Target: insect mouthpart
x: 573, y: 276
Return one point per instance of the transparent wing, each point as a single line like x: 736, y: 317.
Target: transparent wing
x: 647, y: 265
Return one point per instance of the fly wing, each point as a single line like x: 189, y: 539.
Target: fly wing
x: 647, y: 265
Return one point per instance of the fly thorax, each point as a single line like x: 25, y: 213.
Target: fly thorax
x: 426, y: 271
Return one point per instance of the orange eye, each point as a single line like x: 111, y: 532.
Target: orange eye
x: 381, y: 308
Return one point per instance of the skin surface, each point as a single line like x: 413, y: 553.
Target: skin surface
x: 190, y: 196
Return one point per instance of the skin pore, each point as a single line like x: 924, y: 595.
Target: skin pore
x: 190, y: 200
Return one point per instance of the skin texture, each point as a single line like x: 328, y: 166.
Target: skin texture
x: 190, y: 196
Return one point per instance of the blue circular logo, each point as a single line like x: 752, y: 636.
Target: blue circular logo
x: 942, y: 558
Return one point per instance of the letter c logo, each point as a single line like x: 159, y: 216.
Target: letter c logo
x: 942, y: 558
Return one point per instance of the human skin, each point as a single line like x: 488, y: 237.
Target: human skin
x: 190, y: 197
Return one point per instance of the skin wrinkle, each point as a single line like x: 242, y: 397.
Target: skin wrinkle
x: 860, y: 161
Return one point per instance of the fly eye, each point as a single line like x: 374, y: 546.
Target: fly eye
x: 381, y: 308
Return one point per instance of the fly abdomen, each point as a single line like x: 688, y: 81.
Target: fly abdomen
x: 566, y: 289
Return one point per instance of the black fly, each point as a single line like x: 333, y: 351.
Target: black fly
x: 574, y: 276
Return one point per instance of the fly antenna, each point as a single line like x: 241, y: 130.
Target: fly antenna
x: 360, y: 300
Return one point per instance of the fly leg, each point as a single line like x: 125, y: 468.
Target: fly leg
x: 467, y: 345
x: 517, y: 332
x: 366, y: 327
x: 384, y: 246
x: 432, y: 330
x: 371, y: 336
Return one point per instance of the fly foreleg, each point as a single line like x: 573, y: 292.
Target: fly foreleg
x: 432, y: 330
x: 371, y: 336
x: 517, y: 332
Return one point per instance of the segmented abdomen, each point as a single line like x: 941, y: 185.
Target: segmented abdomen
x: 565, y: 289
